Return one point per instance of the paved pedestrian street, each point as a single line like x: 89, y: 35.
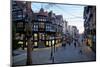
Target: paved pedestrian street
x: 69, y: 53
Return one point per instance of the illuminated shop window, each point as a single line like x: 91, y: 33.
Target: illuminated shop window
x: 47, y: 43
x: 43, y: 37
x: 40, y: 37
x: 20, y: 42
x: 35, y: 44
x: 26, y: 43
x: 53, y: 42
x: 35, y: 36
x: 56, y: 41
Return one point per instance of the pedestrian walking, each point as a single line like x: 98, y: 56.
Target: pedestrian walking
x: 75, y: 44
x: 80, y: 48
x: 64, y: 45
x: 69, y: 43
x: 80, y: 51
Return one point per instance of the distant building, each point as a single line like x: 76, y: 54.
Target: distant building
x: 69, y: 30
x: 72, y: 31
x: 75, y: 32
x: 65, y: 26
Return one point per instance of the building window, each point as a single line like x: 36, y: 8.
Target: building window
x: 19, y: 16
x: 41, y: 19
x: 48, y: 27
x: 44, y: 19
x: 35, y: 27
x: 17, y: 36
x: 19, y: 24
x: 47, y: 37
x: 41, y: 25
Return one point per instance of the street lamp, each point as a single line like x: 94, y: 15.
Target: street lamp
x: 52, y: 49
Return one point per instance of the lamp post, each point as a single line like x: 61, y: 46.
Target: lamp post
x: 52, y: 50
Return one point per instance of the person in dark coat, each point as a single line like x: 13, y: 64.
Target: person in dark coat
x: 75, y: 44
